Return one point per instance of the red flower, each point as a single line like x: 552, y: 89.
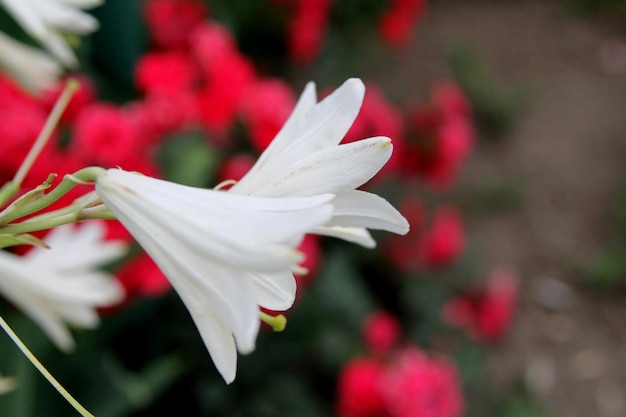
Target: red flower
x: 311, y: 248
x: 487, y: 313
x: 440, y: 136
x: 85, y: 95
x: 267, y: 106
x: 396, y: 24
x: 417, y: 385
x: 306, y: 29
x: 442, y: 244
x: 161, y: 114
x: 359, y: 391
x: 427, y: 245
x: 227, y: 76
x: 235, y: 167
x: 141, y: 276
x: 20, y: 124
x: 170, y: 21
x: 103, y: 135
x: 165, y: 72
x: 381, y: 332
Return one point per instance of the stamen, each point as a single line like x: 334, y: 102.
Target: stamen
x: 300, y: 270
x: 278, y: 322
x: 223, y: 184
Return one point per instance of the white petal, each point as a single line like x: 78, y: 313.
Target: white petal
x: 362, y: 209
x: 227, y: 228
x: 331, y: 170
x: 275, y: 291
x: 357, y: 235
x: 32, y: 68
x: 321, y: 126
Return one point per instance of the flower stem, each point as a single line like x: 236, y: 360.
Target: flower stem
x: 29, y: 355
x: 7, y: 191
x: 70, y: 181
x: 51, y: 123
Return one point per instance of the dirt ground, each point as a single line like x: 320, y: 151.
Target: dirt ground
x: 568, y: 152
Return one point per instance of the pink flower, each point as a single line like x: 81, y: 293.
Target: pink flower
x: 359, y: 391
x: 170, y: 21
x: 487, y: 313
x: 381, y: 332
x: 267, y: 106
x: 417, y: 385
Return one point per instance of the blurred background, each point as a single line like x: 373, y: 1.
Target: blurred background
x: 509, y: 126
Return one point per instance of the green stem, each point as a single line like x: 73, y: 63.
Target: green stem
x: 71, y: 214
x: 7, y: 191
x: 51, y: 123
x: 31, y: 357
x: 84, y: 175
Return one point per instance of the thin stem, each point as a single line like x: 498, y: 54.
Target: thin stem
x: 31, y: 357
x: 7, y: 191
x: 51, y: 123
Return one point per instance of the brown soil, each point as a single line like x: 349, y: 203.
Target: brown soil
x: 568, y: 152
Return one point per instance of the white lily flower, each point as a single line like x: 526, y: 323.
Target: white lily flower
x: 213, y: 246
x: 58, y: 285
x: 47, y: 21
x: 305, y: 159
x: 31, y: 67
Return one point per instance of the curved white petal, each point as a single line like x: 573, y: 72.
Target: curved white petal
x: 357, y: 208
x: 358, y: 235
x: 275, y: 291
x: 309, y: 129
x: 54, y: 293
x: 31, y: 67
x: 249, y: 232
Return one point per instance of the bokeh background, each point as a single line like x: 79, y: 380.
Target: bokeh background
x: 509, y: 126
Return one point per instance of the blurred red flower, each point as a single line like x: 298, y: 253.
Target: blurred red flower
x: 267, y: 106
x: 486, y: 314
x: 359, y: 390
x: 141, y: 276
x: 396, y: 24
x: 381, y: 332
x: 307, y: 28
x: 170, y: 21
x: 409, y: 383
x: 440, y: 136
x: 434, y: 244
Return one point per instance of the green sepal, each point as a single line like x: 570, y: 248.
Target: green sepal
x: 21, y: 239
x: 30, y: 196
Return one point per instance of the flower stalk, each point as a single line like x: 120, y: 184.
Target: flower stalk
x: 42, y: 369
